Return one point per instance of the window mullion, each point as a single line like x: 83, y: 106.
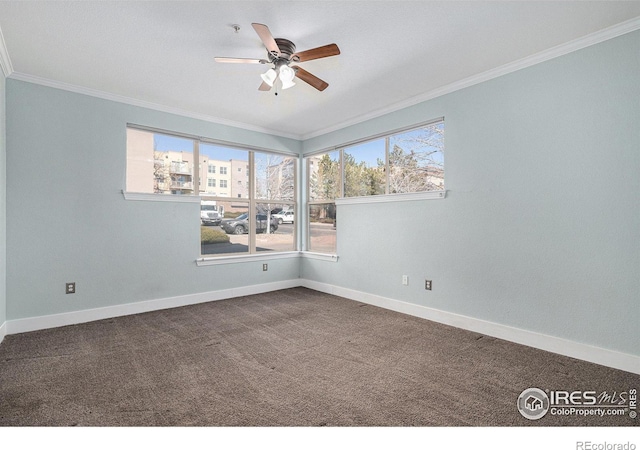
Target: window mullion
x: 252, y: 203
x: 196, y: 167
x: 386, y: 165
x: 342, y: 177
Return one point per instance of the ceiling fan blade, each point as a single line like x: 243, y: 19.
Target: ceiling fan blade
x: 264, y: 87
x: 310, y: 79
x: 240, y: 60
x: 316, y: 53
x: 267, y: 38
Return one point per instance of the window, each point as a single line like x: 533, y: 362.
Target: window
x: 238, y: 218
x: 275, y: 192
x: 416, y: 160
x: 324, y: 178
x: 154, y: 168
x: 409, y: 161
x: 364, y: 169
x: 405, y: 162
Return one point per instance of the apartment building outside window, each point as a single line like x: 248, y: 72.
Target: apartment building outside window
x: 172, y: 164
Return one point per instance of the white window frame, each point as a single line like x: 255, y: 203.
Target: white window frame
x: 381, y: 198
x: 252, y: 201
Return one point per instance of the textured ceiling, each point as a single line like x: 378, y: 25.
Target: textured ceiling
x: 161, y: 53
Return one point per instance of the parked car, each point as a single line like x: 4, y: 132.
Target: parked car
x: 240, y: 225
x: 284, y: 217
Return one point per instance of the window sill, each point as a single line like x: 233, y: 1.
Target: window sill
x: 432, y: 195
x: 160, y: 197
x: 266, y: 256
x: 233, y: 259
x: 320, y: 256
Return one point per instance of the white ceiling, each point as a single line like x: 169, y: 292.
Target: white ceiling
x: 392, y: 52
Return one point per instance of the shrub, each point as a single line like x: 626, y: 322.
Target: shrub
x: 212, y: 236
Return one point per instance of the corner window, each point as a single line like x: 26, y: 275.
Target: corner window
x: 387, y: 167
x: 238, y: 214
x: 410, y: 161
x: 324, y: 186
x: 275, y: 193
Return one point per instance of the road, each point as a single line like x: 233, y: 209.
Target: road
x: 316, y: 229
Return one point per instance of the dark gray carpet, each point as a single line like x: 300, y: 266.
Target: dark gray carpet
x: 295, y: 357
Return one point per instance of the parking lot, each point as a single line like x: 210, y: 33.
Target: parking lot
x: 322, y: 238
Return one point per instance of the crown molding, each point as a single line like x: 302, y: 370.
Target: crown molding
x: 5, y: 61
x: 537, y: 58
x: 144, y: 104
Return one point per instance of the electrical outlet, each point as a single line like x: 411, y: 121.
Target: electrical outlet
x: 427, y: 285
x: 265, y: 267
x: 405, y: 280
x: 70, y: 288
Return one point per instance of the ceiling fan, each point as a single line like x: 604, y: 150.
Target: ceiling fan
x: 281, y: 53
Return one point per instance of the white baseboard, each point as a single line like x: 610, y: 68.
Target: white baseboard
x: 89, y: 315
x: 585, y: 352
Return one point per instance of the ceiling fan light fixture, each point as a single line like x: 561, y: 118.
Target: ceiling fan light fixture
x: 269, y: 77
x: 280, y: 53
x: 286, y: 76
x: 287, y: 84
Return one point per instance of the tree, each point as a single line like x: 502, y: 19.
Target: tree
x: 160, y: 173
x: 275, y: 181
x: 361, y: 180
x: 416, y: 161
x: 324, y: 183
x: 274, y: 177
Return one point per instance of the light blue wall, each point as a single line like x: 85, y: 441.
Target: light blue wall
x: 3, y: 216
x: 540, y: 229
x: 67, y: 219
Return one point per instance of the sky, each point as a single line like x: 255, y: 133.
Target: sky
x: 368, y: 151
x: 165, y: 143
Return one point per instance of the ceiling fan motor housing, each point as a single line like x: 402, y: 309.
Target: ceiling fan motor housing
x: 287, y: 48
